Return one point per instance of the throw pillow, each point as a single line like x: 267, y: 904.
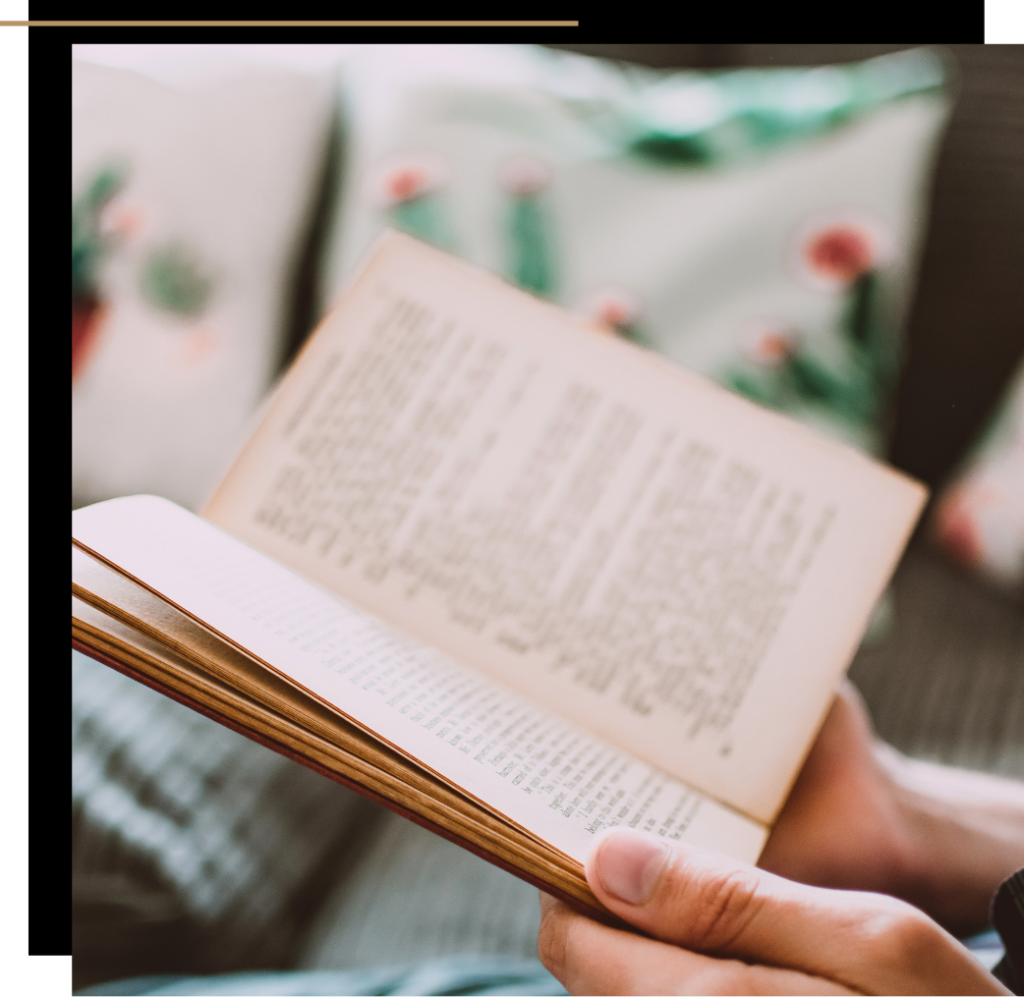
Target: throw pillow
x: 757, y: 225
x: 189, y: 195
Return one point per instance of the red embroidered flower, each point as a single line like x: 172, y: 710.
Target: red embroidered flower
x: 399, y: 179
x: 832, y: 252
x: 86, y: 321
x: 840, y: 252
x: 406, y: 182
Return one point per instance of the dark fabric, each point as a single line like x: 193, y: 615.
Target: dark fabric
x: 194, y: 850
x: 946, y: 682
x: 1008, y: 920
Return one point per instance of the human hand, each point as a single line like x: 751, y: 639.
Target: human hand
x: 862, y: 816
x: 720, y: 926
x: 842, y: 824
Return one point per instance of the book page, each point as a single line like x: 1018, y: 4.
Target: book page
x: 544, y: 774
x: 311, y: 730
x: 681, y: 572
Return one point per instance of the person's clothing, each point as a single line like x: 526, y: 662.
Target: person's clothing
x: 450, y: 975
x: 986, y: 947
x: 487, y: 975
x: 1008, y: 920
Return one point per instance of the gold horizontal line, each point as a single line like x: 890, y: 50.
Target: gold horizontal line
x: 289, y: 24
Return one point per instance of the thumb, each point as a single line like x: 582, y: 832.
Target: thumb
x: 715, y: 905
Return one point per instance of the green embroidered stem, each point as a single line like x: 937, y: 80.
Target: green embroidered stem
x: 853, y: 397
x: 866, y: 334
x: 764, y: 391
x: 635, y: 334
x: 529, y: 252
x: 858, y: 315
x: 420, y: 217
x: 804, y: 380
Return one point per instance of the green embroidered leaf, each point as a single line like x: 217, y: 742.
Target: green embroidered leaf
x: 88, y: 245
x: 173, y: 279
x: 673, y: 150
x: 420, y: 217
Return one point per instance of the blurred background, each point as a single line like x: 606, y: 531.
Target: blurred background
x: 835, y: 231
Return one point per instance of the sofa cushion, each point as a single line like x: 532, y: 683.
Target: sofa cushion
x: 760, y: 226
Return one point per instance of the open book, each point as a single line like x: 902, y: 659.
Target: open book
x: 515, y: 579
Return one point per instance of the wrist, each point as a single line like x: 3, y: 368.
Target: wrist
x: 957, y: 835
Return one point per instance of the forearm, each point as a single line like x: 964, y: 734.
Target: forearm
x: 963, y: 834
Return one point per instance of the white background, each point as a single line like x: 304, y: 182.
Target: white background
x: 1004, y: 21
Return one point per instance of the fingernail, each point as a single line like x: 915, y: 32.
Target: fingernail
x: 629, y: 864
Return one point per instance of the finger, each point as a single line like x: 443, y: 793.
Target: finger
x: 719, y: 906
x: 590, y: 958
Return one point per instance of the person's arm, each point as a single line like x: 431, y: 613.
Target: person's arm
x: 862, y: 816
x: 716, y: 925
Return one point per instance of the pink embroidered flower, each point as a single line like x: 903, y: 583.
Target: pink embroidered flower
x: 405, y: 178
x: 767, y: 343
x: 200, y: 344
x: 612, y: 308
x: 832, y: 252
x: 122, y: 218
x: 524, y: 176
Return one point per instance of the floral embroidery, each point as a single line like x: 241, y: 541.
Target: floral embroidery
x: 524, y: 176
x: 173, y: 278
x: 831, y: 252
x: 613, y: 309
x: 530, y: 256
x: 768, y: 344
x: 840, y: 253
x: 837, y: 254
x: 198, y: 347
x: 405, y: 187
x: 91, y: 241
